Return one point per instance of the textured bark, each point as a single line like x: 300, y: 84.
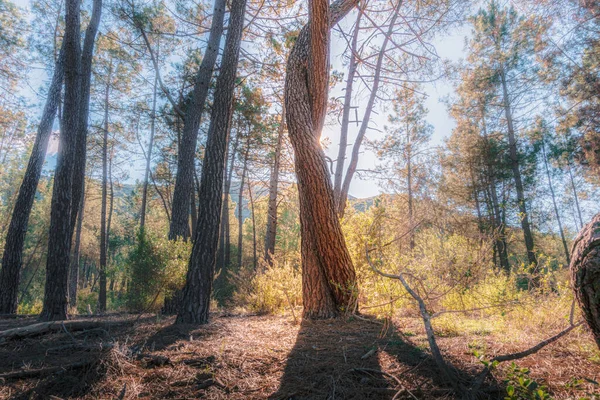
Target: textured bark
x: 515, y: 165
x: 271, y: 229
x: 149, y: 155
x: 328, y: 278
x: 87, y: 56
x: 585, y: 274
x: 551, y: 187
x: 341, y: 203
x: 184, y: 180
x: 339, y: 166
x: 75, y: 257
x: 197, y: 290
x: 59, y: 240
x: 12, y: 258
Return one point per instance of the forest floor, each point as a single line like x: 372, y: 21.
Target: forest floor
x: 259, y: 357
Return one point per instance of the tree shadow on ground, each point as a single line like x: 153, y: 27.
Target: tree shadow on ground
x: 362, y: 358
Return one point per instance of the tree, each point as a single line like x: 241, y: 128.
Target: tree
x: 195, y: 302
x: 59, y: 241
x: 328, y: 277
x: 405, y: 146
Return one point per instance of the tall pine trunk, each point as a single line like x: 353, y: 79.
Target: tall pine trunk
x: 551, y: 187
x: 195, y: 302
x: 341, y: 201
x: 184, y: 180
x: 271, y: 233
x: 515, y: 165
x: 59, y: 239
x: 328, y: 277
x: 12, y: 258
x: 240, y: 253
x: 224, y: 239
x: 75, y: 257
x: 149, y: 155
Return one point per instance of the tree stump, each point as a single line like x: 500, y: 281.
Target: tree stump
x: 585, y: 274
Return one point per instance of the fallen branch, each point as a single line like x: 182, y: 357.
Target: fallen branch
x: 30, y: 373
x: 54, y: 326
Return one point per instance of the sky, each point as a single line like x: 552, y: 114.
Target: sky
x: 449, y: 47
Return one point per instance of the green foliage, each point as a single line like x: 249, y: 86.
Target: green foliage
x: 157, y: 268
x: 519, y: 386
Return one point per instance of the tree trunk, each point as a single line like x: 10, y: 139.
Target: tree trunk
x: 84, y: 109
x: 184, y: 180
x: 241, y: 209
x: 251, y: 197
x: 103, y: 228
x: 225, y: 240
x: 551, y: 187
x: 575, y: 194
x: 411, y: 218
x: 328, y: 277
x: 149, y: 155
x: 273, y: 190
x: 367, y: 116
x: 74, y: 271
x: 585, y: 272
x: 197, y: 291
x: 339, y: 166
x: 514, y: 158
x: 10, y: 274
x: 59, y: 239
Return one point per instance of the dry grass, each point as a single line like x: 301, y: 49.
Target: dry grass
x: 258, y: 357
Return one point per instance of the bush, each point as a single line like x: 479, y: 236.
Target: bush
x: 157, y: 268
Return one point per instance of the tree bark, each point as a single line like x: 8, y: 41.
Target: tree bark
x: 514, y: 158
x: 87, y: 56
x: 328, y: 277
x: 75, y: 257
x: 585, y: 274
x: 184, y: 180
x: 197, y: 291
x: 12, y: 258
x: 271, y: 234
x: 225, y: 240
x: 367, y: 116
x: 59, y: 242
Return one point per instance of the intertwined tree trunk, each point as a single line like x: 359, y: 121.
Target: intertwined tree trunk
x: 184, y: 180
x: 12, y: 258
x: 585, y: 273
x: 328, y: 277
x: 59, y: 241
x: 197, y: 291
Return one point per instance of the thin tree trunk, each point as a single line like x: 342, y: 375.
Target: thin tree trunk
x: 12, y: 257
x: 241, y: 209
x: 184, y: 180
x: 273, y: 191
x: 514, y: 158
x: 103, y: 227
x: 328, y: 277
x: 339, y: 166
x: 197, y: 291
x: 251, y: 197
x: 560, y: 228
x: 224, y: 240
x: 367, y: 116
x: 149, y: 155
x: 411, y: 218
x: 59, y: 239
x: 575, y: 193
x: 74, y: 272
